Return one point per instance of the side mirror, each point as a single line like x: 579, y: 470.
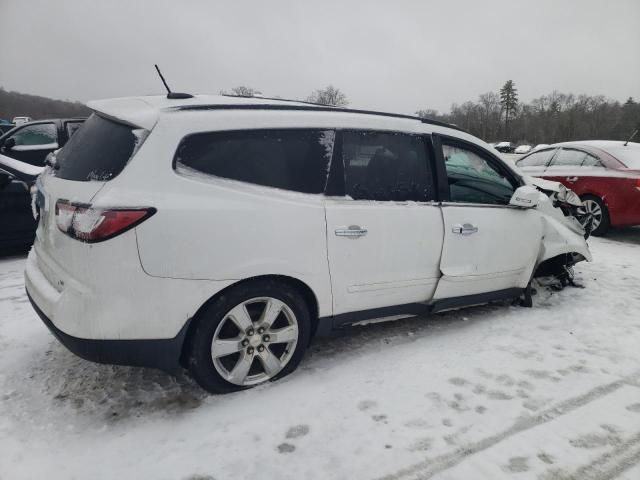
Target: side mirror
x: 525, y: 197
x: 9, y: 143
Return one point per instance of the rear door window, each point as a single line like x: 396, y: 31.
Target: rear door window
x: 295, y: 159
x: 575, y: 158
x: 386, y: 166
x: 98, y: 151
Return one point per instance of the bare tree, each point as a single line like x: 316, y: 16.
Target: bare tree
x: 329, y: 96
x: 242, y: 91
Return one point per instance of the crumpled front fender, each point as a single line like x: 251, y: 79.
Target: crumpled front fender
x: 561, y: 234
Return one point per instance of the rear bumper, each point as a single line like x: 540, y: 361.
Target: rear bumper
x: 156, y: 353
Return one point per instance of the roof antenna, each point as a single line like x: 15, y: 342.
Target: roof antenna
x: 631, y: 137
x: 171, y: 95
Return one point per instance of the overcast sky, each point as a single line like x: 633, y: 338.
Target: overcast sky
x: 394, y: 55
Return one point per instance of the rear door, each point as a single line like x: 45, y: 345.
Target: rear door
x: 384, y: 229
x: 488, y: 245
x: 577, y: 169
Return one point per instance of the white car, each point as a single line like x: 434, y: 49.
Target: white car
x: 20, y: 120
x: 225, y: 233
x: 522, y: 149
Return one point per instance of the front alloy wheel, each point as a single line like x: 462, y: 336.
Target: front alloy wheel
x: 599, y: 215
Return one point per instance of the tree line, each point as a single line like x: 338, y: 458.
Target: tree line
x: 556, y: 117
x: 14, y: 104
x: 494, y: 116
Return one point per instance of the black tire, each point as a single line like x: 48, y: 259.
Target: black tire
x: 605, y: 223
x: 200, y: 361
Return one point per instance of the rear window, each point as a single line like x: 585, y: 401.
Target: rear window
x: 629, y: 155
x: 98, y: 151
x: 295, y: 160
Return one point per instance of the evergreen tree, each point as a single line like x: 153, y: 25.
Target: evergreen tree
x: 509, y: 102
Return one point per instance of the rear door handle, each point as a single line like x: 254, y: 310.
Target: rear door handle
x: 572, y: 179
x: 466, y: 229
x: 352, y: 231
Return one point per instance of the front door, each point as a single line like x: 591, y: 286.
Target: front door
x: 488, y: 245
x: 33, y: 143
x: 384, y: 235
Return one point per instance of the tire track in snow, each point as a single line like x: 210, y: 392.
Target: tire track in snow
x: 609, y: 465
x: 430, y: 467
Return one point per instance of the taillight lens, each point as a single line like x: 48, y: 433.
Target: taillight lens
x: 91, y: 225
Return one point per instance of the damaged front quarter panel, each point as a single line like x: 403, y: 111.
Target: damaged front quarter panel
x: 564, y: 237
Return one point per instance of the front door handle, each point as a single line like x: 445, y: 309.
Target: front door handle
x: 352, y: 231
x: 572, y: 179
x: 466, y: 229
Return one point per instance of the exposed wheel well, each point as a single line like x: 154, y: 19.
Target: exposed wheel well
x: 303, y: 289
x: 555, y: 265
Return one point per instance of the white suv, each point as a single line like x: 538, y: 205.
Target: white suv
x: 224, y: 233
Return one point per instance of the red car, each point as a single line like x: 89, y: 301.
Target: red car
x: 604, y: 173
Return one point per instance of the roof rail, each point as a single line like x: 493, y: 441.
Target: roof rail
x: 313, y: 107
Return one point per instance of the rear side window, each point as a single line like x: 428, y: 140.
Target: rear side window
x: 98, y: 151
x: 386, y: 166
x: 295, y: 160
x: 537, y: 159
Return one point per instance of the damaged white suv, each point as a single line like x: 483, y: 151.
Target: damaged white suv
x: 224, y: 233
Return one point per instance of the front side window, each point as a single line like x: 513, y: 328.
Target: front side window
x: 386, y: 166
x: 474, y: 179
x: 295, y: 160
x: 537, y: 159
x: 35, y: 135
x: 575, y: 158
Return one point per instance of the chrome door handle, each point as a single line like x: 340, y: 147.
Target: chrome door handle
x: 572, y: 179
x: 466, y: 229
x: 353, y: 231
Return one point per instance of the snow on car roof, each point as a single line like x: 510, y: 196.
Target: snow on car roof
x: 144, y: 111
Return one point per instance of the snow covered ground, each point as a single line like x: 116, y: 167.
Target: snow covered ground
x: 493, y: 392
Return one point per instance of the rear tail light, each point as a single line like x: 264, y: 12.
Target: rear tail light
x: 91, y: 225
x: 638, y: 183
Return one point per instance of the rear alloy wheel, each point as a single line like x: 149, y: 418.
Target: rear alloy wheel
x: 598, y: 211
x: 252, y: 335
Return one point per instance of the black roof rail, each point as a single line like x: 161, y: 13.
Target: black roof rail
x: 313, y: 107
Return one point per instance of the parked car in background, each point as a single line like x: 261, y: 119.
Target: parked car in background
x: 605, y: 174
x: 522, y: 149
x: 17, y: 222
x: 504, y: 147
x: 32, y: 142
x: 20, y: 120
x: 226, y: 232
x: 540, y: 145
